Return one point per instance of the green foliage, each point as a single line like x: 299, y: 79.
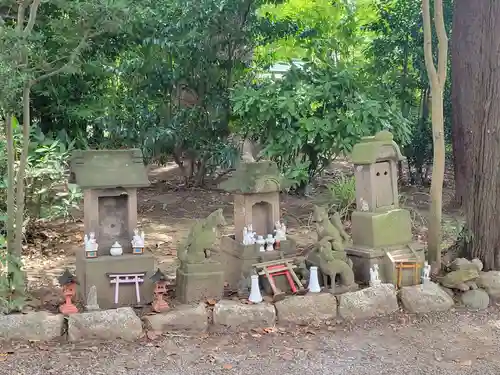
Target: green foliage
x: 313, y: 115
x: 322, y: 28
x: 47, y: 195
x: 396, y: 56
x: 170, y: 91
x: 160, y: 76
x: 12, y: 291
x: 342, y: 196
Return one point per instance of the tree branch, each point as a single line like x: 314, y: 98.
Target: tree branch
x: 71, y: 59
x: 429, y: 63
x: 21, y: 12
x: 442, y: 41
x: 32, y: 18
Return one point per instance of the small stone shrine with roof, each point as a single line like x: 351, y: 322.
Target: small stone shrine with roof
x: 109, y: 180
x: 259, y: 236
x: 381, y: 230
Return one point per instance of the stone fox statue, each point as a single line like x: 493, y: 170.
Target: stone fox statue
x: 202, y: 239
x: 332, y: 237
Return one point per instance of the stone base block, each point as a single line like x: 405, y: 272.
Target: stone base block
x: 181, y: 318
x: 378, y: 229
x: 198, y: 282
x: 309, y: 309
x: 239, y: 258
x: 425, y: 298
x: 120, y: 323
x: 364, y: 258
x: 368, y: 303
x: 95, y: 271
x: 36, y: 326
x: 235, y: 316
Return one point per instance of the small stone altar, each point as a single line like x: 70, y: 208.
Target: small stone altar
x: 111, y: 258
x: 381, y: 230
x: 256, y: 188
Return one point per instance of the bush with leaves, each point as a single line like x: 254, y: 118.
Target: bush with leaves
x: 313, y: 115
x: 12, y: 290
x: 48, y: 196
x: 342, y: 196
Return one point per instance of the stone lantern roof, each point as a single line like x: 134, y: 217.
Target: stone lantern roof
x: 376, y: 148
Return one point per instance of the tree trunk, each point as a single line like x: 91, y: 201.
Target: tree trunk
x: 21, y: 172
x: 11, y: 158
x: 476, y: 32
x: 437, y: 79
x: 460, y: 94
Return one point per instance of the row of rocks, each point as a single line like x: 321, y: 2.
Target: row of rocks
x: 313, y: 309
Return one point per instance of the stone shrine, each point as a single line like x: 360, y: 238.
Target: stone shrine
x: 381, y: 230
x: 256, y: 189
x: 109, y: 180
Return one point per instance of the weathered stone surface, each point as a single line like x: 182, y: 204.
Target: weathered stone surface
x: 425, y: 298
x: 477, y: 263
x: 459, y: 263
x: 39, y: 326
x: 182, y: 318
x: 121, y: 323
x: 490, y: 281
x: 369, y: 302
x: 236, y: 315
x: 311, y: 308
x: 475, y: 299
x: 448, y: 291
x: 457, y: 279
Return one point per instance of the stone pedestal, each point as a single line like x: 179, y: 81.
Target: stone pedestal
x: 198, y: 282
x: 239, y: 258
x: 363, y: 258
x: 378, y: 229
x: 94, y: 271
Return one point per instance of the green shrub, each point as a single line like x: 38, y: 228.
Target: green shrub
x: 342, y: 196
x: 47, y: 194
x: 12, y: 289
x: 314, y: 114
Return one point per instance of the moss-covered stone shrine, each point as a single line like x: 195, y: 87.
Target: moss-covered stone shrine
x: 381, y: 230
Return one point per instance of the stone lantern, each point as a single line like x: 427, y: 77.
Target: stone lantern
x: 381, y: 230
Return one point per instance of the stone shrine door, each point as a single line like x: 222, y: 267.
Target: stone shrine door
x: 382, y: 183
x: 113, y: 220
x: 262, y: 218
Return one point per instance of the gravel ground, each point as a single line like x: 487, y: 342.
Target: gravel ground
x: 456, y: 342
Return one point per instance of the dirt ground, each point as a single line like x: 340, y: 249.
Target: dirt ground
x: 167, y: 211
x: 451, y: 343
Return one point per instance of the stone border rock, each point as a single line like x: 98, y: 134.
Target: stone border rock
x: 315, y: 309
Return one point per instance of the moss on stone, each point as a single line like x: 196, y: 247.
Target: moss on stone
x: 368, y: 149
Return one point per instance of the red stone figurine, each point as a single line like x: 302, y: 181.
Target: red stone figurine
x: 160, y: 280
x: 68, y: 283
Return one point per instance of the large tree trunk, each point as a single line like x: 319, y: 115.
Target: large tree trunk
x: 460, y: 93
x: 476, y: 44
